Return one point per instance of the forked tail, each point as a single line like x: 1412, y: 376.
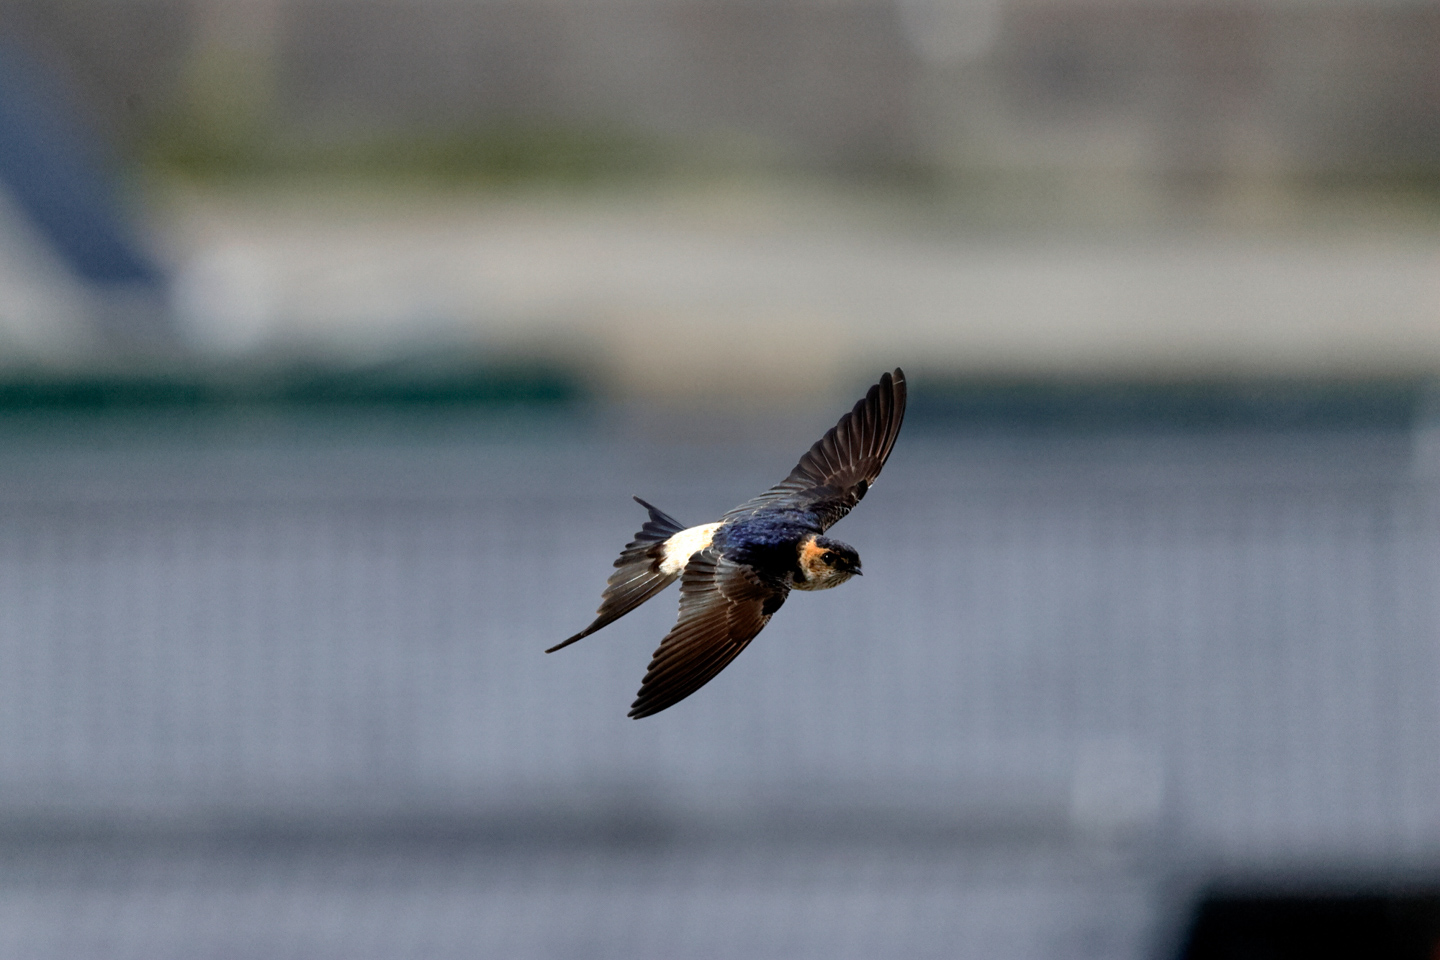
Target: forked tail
x: 637, y: 577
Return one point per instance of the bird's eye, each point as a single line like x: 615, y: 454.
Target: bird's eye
x: 827, y: 558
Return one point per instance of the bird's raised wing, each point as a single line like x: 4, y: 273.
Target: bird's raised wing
x: 723, y: 605
x: 836, y: 472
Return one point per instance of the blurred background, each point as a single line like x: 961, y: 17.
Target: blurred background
x: 335, y: 336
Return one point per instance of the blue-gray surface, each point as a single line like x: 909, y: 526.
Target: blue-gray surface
x: 274, y: 688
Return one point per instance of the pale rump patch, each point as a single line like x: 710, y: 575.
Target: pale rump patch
x: 684, y: 545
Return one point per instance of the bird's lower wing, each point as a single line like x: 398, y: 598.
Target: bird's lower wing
x: 723, y: 605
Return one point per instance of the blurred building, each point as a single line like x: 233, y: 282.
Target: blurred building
x: 74, y: 278
x: 1029, y: 112
x: 1182, y: 89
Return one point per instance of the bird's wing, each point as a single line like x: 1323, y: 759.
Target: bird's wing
x: 836, y: 472
x: 723, y: 605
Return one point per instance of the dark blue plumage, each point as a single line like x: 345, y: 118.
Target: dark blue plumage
x: 766, y: 542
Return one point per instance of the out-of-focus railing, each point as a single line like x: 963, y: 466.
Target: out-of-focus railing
x: 1209, y: 651
x: 1225, y: 640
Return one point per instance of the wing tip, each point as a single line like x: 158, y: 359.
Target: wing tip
x: 649, y: 703
x: 894, y: 383
x: 657, y: 703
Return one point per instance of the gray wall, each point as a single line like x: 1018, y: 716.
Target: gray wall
x: 302, y: 665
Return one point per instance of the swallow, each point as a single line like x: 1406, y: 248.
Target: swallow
x: 736, y: 572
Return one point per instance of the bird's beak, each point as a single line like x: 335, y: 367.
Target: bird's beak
x: 856, y: 571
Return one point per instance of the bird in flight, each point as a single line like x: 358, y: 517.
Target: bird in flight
x: 736, y: 572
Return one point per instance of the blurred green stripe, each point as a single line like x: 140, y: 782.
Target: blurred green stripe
x: 1243, y: 404
x: 481, y: 386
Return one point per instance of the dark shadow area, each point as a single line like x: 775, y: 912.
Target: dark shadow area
x: 1316, y: 924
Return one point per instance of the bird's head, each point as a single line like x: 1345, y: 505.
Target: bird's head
x: 826, y: 563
